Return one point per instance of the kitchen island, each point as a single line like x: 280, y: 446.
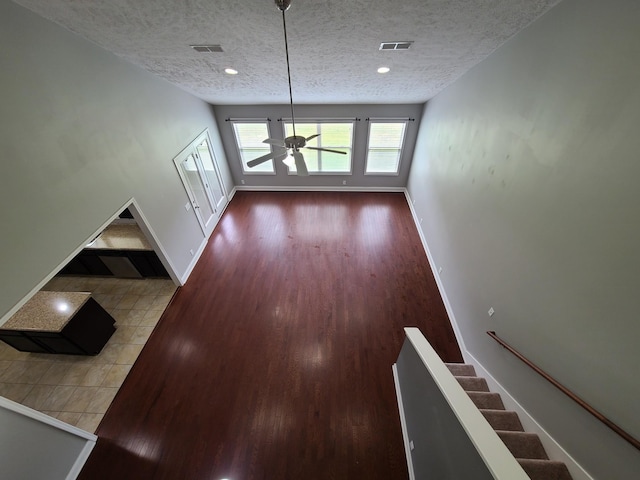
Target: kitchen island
x: 59, y: 322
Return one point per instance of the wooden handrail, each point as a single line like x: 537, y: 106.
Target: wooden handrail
x: 632, y: 440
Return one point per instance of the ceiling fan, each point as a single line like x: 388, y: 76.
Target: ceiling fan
x: 295, y: 142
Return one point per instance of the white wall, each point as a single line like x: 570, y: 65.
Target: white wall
x: 526, y: 175
x: 83, y: 132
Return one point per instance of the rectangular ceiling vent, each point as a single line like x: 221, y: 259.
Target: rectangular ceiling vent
x: 207, y: 48
x: 395, y: 45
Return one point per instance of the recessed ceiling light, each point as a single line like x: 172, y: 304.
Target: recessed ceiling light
x: 230, y: 71
x: 383, y: 69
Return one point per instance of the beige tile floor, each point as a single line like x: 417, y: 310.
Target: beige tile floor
x: 79, y: 389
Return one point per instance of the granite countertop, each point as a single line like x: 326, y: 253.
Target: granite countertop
x: 47, y: 311
x: 121, y: 237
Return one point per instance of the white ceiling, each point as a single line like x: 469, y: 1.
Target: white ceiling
x: 333, y: 45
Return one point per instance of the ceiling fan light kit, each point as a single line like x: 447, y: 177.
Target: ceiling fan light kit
x: 294, y: 142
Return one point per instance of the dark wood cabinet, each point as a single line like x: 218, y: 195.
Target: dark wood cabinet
x: 86, y: 263
x: 148, y: 264
x: 89, y: 262
x: 21, y: 342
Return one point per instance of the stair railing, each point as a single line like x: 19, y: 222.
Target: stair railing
x: 445, y: 435
x: 624, y: 434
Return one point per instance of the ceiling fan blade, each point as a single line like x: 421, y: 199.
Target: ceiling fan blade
x: 301, y: 167
x: 327, y: 150
x: 274, y: 141
x: 312, y: 137
x: 281, y: 156
x: 264, y: 158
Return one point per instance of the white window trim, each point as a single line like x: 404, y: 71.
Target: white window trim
x: 249, y: 171
x: 371, y: 121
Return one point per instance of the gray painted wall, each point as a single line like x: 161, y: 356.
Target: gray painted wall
x: 443, y: 449
x: 83, y: 132
x: 35, y: 450
x: 526, y: 172
x: 283, y: 179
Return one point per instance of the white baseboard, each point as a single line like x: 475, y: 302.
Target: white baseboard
x: 194, y: 261
x: 198, y: 253
x: 554, y: 450
x: 265, y: 188
x: 436, y: 275
x: 403, y: 423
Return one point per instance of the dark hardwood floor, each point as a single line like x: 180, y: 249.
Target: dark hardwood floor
x: 274, y: 360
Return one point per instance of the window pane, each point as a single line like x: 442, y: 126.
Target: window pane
x: 334, y: 162
x: 389, y: 135
x: 383, y: 161
x: 332, y: 135
x: 385, y: 147
x: 249, y: 137
x: 311, y: 159
x: 336, y: 134
x: 302, y: 129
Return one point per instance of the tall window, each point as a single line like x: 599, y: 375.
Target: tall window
x: 249, y: 138
x: 333, y: 135
x: 386, y: 139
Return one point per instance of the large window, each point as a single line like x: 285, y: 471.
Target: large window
x: 386, y: 139
x: 249, y: 139
x: 333, y: 135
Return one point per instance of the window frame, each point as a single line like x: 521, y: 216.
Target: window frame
x: 400, y: 149
x: 318, y: 121
x: 246, y: 170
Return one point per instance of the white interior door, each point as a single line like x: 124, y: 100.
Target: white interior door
x: 210, y: 173
x: 196, y: 190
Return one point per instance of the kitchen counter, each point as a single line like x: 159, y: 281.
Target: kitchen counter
x: 121, y: 236
x: 122, y: 251
x: 47, y: 311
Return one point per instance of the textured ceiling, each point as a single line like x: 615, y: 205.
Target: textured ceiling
x: 333, y: 45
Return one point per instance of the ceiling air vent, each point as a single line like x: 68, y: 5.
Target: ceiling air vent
x: 395, y: 45
x: 207, y: 48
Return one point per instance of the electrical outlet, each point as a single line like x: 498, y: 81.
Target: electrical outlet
x: 242, y: 182
x: 440, y: 270
x: 191, y: 252
x: 491, y: 312
x: 344, y: 182
x: 420, y: 221
x: 411, y: 445
x: 187, y: 207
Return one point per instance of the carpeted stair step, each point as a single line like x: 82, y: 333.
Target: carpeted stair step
x: 461, y: 369
x: 503, y: 420
x: 473, y: 384
x: 523, y: 445
x: 486, y: 400
x: 544, y: 469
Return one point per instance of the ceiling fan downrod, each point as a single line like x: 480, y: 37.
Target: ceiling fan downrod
x: 283, y: 5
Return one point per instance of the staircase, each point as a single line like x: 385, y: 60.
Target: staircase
x: 525, y: 447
